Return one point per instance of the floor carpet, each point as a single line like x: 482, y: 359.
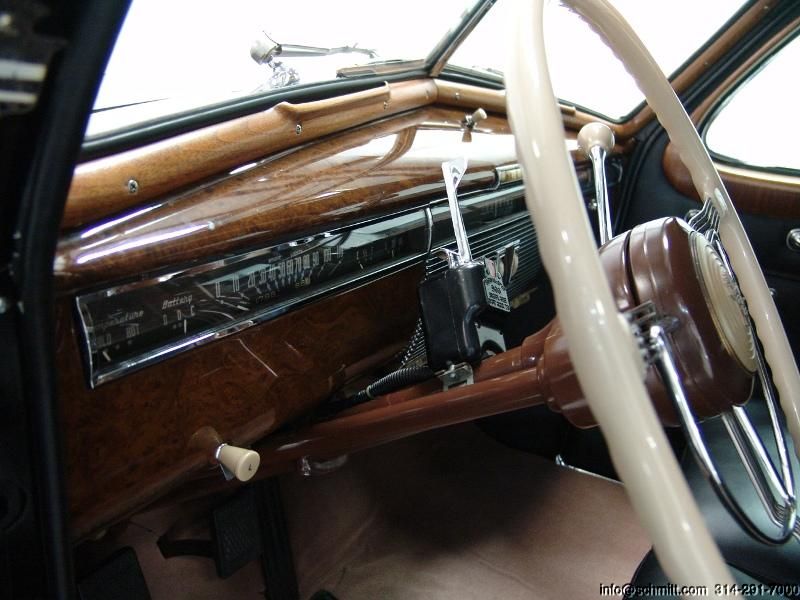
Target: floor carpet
x: 453, y: 514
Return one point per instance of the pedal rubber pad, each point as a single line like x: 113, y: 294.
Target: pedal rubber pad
x: 236, y: 533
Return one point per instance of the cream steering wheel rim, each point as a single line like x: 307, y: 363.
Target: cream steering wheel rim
x: 600, y: 341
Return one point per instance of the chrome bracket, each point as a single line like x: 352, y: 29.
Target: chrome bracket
x: 642, y: 319
x: 455, y: 375
x: 453, y: 171
x: 310, y: 467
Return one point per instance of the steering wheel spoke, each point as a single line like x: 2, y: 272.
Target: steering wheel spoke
x: 750, y: 448
x: 775, y: 491
x: 706, y: 221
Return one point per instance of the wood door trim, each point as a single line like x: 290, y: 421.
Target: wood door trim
x: 753, y: 191
x: 716, y: 50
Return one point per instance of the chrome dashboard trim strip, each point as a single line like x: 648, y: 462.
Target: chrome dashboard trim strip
x: 102, y: 376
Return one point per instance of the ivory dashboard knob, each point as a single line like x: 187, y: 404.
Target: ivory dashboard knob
x: 241, y: 462
x: 476, y: 117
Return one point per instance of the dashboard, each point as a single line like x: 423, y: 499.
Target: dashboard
x: 130, y: 326
x: 242, y: 301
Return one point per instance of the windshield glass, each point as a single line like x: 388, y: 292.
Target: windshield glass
x: 584, y: 70
x: 176, y: 56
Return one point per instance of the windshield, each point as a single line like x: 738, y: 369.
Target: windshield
x: 176, y: 56
x: 584, y: 70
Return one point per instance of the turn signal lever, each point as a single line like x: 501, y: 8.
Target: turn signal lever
x: 596, y: 140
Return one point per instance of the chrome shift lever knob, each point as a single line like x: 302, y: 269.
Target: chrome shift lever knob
x: 596, y: 140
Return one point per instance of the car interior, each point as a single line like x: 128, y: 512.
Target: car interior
x: 427, y: 327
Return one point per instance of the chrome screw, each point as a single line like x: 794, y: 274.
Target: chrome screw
x: 793, y: 240
x: 133, y: 186
x: 298, y: 129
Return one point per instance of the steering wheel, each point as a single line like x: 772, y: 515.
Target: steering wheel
x: 604, y: 348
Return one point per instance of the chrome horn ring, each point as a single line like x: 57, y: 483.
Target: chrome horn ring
x: 775, y: 490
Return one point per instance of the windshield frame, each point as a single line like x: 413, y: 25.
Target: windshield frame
x: 677, y: 78
x: 358, y: 79
x: 354, y: 80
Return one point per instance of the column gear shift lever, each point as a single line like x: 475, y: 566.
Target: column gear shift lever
x: 596, y: 140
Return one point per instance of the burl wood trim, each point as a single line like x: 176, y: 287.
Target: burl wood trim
x: 470, y: 97
x: 320, y: 186
x: 100, y: 187
x: 716, y: 50
x: 134, y: 439
x: 752, y: 191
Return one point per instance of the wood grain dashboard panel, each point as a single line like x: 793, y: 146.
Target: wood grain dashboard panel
x: 365, y: 172
x: 128, y: 441
x: 753, y: 192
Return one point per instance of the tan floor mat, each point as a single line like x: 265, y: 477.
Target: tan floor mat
x: 453, y: 514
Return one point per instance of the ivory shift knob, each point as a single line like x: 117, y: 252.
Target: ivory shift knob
x: 595, y: 134
x: 243, y: 463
